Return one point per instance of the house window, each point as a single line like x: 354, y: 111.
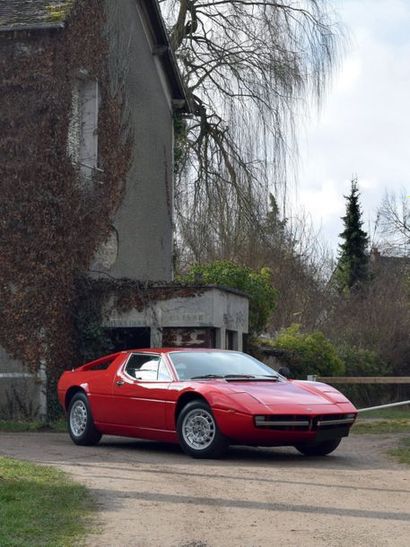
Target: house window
x: 83, y: 127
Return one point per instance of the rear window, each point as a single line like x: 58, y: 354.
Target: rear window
x: 101, y: 366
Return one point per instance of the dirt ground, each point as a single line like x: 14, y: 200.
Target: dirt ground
x: 151, y: 494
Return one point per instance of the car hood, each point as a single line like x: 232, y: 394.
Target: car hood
x: 274, y: 395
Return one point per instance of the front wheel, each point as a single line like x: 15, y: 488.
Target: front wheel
x: 318, y: 449
x: 80, y: 421
x: 198, y: 432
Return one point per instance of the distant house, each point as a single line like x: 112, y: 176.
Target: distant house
x: 63, y: 64
x: 394, y: 266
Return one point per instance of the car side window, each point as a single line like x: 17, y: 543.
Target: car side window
x: 163, y: 374
x: 146, y: 367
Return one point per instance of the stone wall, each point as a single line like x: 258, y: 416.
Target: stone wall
x: 19, y: 391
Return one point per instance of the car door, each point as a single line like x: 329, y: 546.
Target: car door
x: 140, y: 392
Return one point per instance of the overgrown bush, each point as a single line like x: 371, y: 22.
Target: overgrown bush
x: 256, y: 284
x: 363, y: 362
x: 308, y: 353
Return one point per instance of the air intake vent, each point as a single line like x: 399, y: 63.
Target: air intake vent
x: 297, y: 422
x: 284, y: 422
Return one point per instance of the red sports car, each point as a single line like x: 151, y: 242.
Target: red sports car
x: 202, y: 399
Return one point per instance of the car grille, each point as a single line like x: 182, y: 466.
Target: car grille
x: 297, y: 422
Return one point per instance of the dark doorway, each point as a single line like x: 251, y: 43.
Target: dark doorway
x: 231, y: 339
x: 129, y: 338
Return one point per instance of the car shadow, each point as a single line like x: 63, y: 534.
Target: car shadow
x: 245, y: 456
x: 358, y: 452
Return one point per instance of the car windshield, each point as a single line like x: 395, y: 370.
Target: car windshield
x: 215, y: 364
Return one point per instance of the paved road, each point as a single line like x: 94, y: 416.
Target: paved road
x: 151, y: 494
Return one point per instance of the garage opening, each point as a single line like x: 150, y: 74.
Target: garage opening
x: 129, y: 337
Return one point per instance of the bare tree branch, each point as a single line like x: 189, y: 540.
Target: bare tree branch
x: 394, y: 222
x: 251, y: 67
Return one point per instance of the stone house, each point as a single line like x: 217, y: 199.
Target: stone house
x: 393, y: 266
x: 90, y: 88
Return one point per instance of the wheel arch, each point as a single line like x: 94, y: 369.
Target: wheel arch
x: 70, y: 394
x: 186, y: 398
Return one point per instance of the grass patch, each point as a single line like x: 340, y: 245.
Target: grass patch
x: 381, y: 426
x: 388, y: 420
x: 41, y: 506
x: 402, y: 412
x: 402, y: 453
x: 17, y: 427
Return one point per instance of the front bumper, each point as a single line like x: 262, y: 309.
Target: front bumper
x: 283, y: 429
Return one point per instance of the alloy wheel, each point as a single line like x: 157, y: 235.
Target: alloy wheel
x: 78, y: 418
x: 198, y: 429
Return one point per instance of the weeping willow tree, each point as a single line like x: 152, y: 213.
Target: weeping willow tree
x: 249, y: 67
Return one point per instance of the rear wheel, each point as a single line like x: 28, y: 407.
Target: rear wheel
x: 318, y: 449
x: 80, y: 421
x: 198, y: 432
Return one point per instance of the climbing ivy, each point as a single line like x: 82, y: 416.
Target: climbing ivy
x: 51, y: 222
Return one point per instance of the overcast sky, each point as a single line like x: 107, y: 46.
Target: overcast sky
x: 364, y: 125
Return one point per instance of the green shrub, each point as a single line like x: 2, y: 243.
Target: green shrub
x: 363, y: 362
x: 308, y: 353
x: 256, y: 284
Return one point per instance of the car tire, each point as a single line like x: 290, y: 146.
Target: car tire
x: 318, y: 449
x: 198, y: 432
x: 80, y: 421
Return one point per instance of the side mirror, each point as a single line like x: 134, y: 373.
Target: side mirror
x: 284, y: 371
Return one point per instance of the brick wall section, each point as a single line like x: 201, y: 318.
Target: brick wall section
x: 188, y: 337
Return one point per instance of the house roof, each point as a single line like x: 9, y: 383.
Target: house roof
x: 166, y: 54
x: 26, y: 15
x: 397, y: 264
x: 33, y: 14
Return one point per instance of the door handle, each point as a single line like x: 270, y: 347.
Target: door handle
x: 120, y: 382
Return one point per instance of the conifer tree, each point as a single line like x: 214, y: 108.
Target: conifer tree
x: 352, y: 270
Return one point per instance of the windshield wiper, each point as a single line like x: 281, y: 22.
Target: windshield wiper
x: 206, y: 376
x: 259, y: 378
x: 266, y: 377
x: 239, y: 376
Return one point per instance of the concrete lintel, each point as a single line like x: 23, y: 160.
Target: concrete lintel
x: 211, y: 309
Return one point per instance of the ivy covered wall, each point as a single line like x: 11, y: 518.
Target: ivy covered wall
x: 52, y: 221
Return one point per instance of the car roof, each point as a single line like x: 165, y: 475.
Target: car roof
x: 157, y: 351
x: 169, y: 350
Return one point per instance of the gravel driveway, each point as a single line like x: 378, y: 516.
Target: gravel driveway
x: 151, y: 494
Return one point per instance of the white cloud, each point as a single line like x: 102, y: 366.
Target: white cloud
x: 364, y: 126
